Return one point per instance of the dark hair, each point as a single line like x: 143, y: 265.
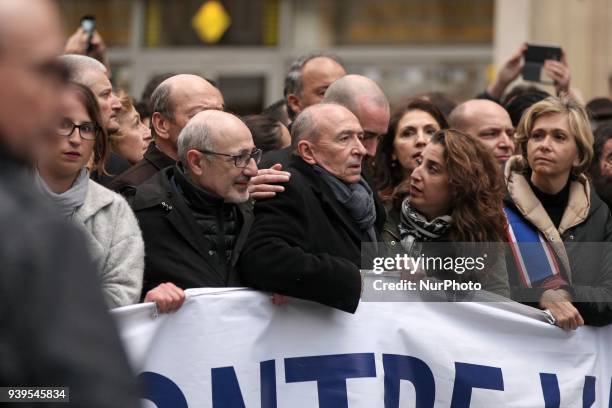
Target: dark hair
x: 153, y: 83
x: 278, y: 111
x: 443, y: 101
x: 265, y: 130
x: 519, y: 99
x: 293, y: 79
x: 602, y: 134
x: 475, y: 179
x: 143, y: 109
x: 600, y: 109
x: 388, y: 177
x: 89, y: 101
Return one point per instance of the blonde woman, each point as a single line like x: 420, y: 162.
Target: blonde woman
x: 133, y: 137
x: 552, y: 209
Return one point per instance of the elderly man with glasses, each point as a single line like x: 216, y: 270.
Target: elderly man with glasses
x: 194, y: 216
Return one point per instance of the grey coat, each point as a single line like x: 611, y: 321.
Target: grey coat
x: 115, y: 243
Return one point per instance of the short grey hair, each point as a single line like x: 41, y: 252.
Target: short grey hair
x: 303, y: 128
x: 293, y: 79
x: 79, y: 65
x: 197, y: 135
x: 350, y: 91
x: 160, y: 100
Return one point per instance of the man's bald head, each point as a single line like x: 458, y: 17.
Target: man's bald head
x: 204, y: 129
x: 185, y: 89
x: 217, y: 151
x: 488, y: 121
x: 30, y: 41
x: 329, y: 135
x: 174, y: 102
x: 20, y: 19
x: 315, y: 120
x: 364, y: 98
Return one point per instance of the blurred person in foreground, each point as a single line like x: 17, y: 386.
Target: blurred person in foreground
x: 551, y: 205
x: 133, y: 137
x: 306, y: 242
x: 194, y: 216
x: 61, y: 176
x: 55, y: 329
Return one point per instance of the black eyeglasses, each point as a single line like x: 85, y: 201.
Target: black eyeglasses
x: 240, y: 160
x: 87, y: 130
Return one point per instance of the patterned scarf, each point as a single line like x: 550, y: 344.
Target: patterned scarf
x: 415, y: 229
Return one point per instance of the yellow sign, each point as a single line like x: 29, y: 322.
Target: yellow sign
x: 211, y: 21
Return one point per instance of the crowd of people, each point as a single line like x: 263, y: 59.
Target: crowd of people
x: 109, y: 202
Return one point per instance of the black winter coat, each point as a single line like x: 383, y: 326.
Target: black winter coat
x: 175, y: 248
x: 588, y: 245
x: 55, y: 329
x: 305, y: 244
x: 154, y: 160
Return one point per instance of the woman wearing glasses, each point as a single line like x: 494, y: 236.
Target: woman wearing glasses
x: 61, y: 175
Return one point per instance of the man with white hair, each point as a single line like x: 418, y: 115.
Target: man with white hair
x: 94, y: 75
x: 194, y: 216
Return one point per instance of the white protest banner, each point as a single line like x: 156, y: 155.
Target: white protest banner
x: 236, y: 349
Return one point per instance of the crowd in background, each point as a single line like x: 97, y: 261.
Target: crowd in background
x: 172, y: 192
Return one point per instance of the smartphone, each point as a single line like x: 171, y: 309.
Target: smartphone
x: 88, y: 23
x: 535, y: 55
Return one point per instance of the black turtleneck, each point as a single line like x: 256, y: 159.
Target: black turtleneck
x: 217, y: 219
x: 554, y: 204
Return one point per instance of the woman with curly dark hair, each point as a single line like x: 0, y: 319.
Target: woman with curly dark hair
x: 410, y: 129
x: 455, y: 195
